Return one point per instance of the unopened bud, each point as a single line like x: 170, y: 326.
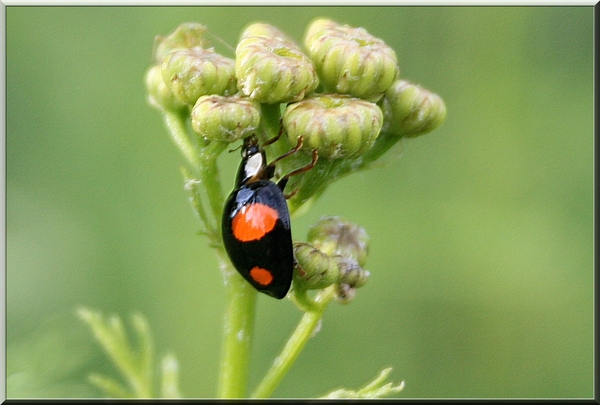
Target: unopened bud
x: 351, y: 273
x: 335, y: 236
x: 316, y: 270
x: 410, y: 110
x: 336, y: 125
x: 159, y: 95
x: 225, y: 118
x: 345, y: 293
x: 350, y: 60
x: 266, y: 31
x: 185, y: 36
x: 352, y: 276
x: 271, y: 68
x: 196, y: 72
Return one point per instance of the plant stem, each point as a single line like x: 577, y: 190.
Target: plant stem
x: 238, y: 332
x: 304, y: 330
x: 209, y: 175
x: 384, y: 142
x: 176, y: 124
x: 270, y: 116
x: 241, y: 296
x: 270, y: 123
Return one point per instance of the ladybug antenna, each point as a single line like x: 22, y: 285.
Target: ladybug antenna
x: 234, y: 149
x: 223, y: 42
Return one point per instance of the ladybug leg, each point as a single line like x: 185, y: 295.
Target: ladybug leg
x: 283, y: 181
x: 290, y: 152
x: 289, y: 195
x: 269, y: 170
x: 276, y: 137
x: 299, y: 268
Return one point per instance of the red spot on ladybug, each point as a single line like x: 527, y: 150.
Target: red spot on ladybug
x: 261, y: 276
x: 253, y: 222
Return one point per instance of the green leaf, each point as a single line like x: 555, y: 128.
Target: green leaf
x: 170, y: 377
x: 112, y: 388
x: 136, y: 364
x: 372, y: 390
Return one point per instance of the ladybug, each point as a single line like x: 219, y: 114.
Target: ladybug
x: 256, y: 221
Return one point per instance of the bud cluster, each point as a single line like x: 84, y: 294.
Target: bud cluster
x: 341, y: 96
x: 334, y: 255
x: 187, y: 69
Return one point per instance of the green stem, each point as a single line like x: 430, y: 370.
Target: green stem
x: 241, y: 296
x: 270, y: 122
x: 176, y: 124
x: 306, y: 327
x: 313, y: 182
x: 384, y: 142
x: 196, y: 194
x: 209, y: 175
x: 270, y: 116
x: 238, y: 332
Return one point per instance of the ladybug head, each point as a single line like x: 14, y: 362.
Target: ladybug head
x: 250, y: 146
x: 254, y: 162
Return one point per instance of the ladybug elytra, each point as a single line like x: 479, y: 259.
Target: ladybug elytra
x: 256, y: 221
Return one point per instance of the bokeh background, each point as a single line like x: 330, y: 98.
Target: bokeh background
x: 481, y: 233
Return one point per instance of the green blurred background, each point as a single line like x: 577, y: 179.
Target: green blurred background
x: 481, y: 233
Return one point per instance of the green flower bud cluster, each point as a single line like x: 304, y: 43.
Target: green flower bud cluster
x: 344, y: 122
x: 362, y: 112
x: 186, y: 70
x: 343, y: 97
x: 335, y: 253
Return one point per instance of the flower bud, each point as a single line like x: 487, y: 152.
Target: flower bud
x: 159, y: 95
x: 410, y: 110
x: 266, y: 31
x: 196, y: 72
x: 315, y: 270
x: 271, y: 68
x: 315, y: 29
x: 345, y: 293
x: 350, y: 60
x: 225, y: 118
x: 185, y: 36
x: 336, y: 125
x: 351, y: 273
x: 352, y: 276
x: 336, y: 236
